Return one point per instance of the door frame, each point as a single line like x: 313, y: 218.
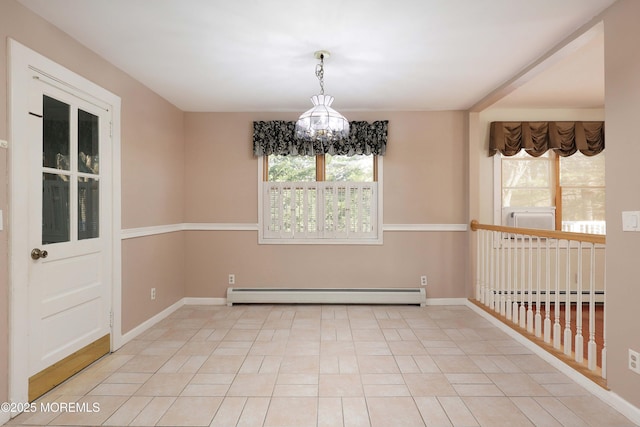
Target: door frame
x: 24, y: 63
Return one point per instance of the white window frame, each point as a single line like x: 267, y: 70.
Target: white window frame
x: 322, y: 238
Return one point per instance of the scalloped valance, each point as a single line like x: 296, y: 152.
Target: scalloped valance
x: 565, y: 138
x: 278, y: 137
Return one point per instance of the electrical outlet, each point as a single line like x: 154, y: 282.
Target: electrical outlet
x: 634, y: 361
x: 153, y: 293
x: 423, y: 280
x: 232, y: 279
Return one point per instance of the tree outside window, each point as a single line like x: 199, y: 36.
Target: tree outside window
x: 358, y: 168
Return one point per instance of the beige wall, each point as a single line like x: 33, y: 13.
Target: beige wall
x: 622, y: 109
x: 424, y: 183
x: 152, y: 158
x: 151, y: 262
x: 152, y: 170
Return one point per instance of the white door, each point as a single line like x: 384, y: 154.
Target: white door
x: 69, y: 289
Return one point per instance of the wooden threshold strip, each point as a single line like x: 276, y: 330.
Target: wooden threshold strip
x: 60, y: 371
x: 594, y: 376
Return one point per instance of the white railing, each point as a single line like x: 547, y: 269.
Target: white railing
x: 320, y: 210
x: 547, y: 284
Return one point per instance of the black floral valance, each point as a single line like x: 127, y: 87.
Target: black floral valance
x: 278, y: 137
x: 565, y: 138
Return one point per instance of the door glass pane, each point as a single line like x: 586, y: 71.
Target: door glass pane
x: 55, y: 208
x: 87, y: 142
x: 88, y: 213
x: 55, y: 134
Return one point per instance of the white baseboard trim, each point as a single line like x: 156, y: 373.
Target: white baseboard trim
x: 125, y: 338
x: 204, y: 301
x: 446, y: 301
x: 5, y: 417
x: 609, y: 397
x: 150, y: 322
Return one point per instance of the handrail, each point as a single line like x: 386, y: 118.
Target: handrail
x: 551, y: 234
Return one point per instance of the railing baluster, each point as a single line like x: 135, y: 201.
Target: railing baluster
x: 556, y: 305
x: 494, y: 275
x: 591, y: 346
x: 579, y: 340
x: 567, y: 304
x: 508, y: 312
x: 487, y: 259
x: 502, y: 310
x: 530, y: 305
x: 603, y: 359
x: 487, y: 266
x: 523, y: 286
x: 478, y: 267
x: 538, y: 319
x: 547, y: 294
x: 515, y: 312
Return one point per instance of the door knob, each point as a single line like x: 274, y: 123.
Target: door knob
x: 37, y: 254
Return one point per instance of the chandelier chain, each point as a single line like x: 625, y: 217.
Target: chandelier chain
x: 320, y: 73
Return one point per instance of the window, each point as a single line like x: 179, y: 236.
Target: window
x: 573, y: 185
x: 307, y: 195
x: 358, y: 168
x: 320, y: 199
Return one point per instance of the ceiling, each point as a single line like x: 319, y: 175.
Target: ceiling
x: 253, y: 55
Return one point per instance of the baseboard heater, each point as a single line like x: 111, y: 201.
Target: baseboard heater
x: 326, y: 296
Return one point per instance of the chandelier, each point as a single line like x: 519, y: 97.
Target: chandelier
x: 322, y: 123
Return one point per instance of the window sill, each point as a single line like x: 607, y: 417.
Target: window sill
x: 324, y: 241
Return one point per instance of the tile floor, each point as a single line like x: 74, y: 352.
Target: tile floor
x: 323, y: 366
